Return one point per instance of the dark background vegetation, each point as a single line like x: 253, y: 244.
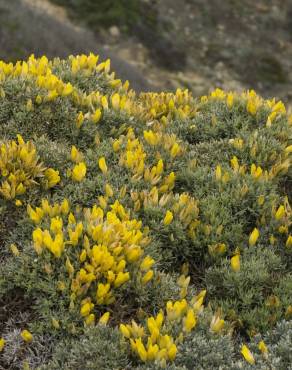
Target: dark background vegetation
x: 163, y: 44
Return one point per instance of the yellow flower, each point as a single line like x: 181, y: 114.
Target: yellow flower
x: 56, y: 225
x: 216, y: 324
x: 288, y: 313
x: 102, y: 165
x: 116, y: 101
x: 90, y: 319
x: 108, y: 190
x: 52, y: 95
x: 168, y: 218
x: 159, y: 168
x: 55, y: 323
x: 38, y: 99
x: 18, y: 203
x: 289, y: 241
x: 79, y: 120
x: 150, y: 137
x: 52, y: 176
x: 65, y: 207
x: 76, y: 156
x: 252, y: 107
x: 79, y: 172
x: 190, y: 321
x: 104, y: 318
x: 86, y: 308
x: 152, y: 351
x: 141, y: 350
x: 67, y: 89
x: 69, y: 267
x: 175, y: 150
x: 26, y: 336
x: 254, y: 237
x: 96, y: 116
x: 247, y: 355
x: 262, y: 347
x: 280, y: 213
x: 121, y: 279
x: 37, y: 237
x: 234, y: 163
x: 218, y: 173
x: 116, y: 145
x: 235, y: 263
x: 172, y: 351
x: 229, y: 100
x: 2, y: 344
x: 82, y: 256
x: 20, y: 189
x: 14, y: 250
x: 125, y: 331
x: 147, y: 263
x: 147, y: 277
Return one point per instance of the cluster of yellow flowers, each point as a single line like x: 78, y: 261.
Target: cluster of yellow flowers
x: 161, y: 107
x: 155, y: 343
x: 133, y: 156
x: 248, y: 356
x: 101, y: 251
x: 253, y: 103
x: 20, y: 169
x: 25, y: 335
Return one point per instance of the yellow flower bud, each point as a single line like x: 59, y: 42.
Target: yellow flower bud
x: 147, y: 277
x: 289, y: 241
x: 55, y: 323
x: 90, y: 319
x: 280, y: 213
x: 86, y: 308
x: 168, y: 218
x: 121, y: 279
x: 254, y: 237
x: 247, y: 355
x: 218, y: 173
x: 125, y: 331
x: 79, y: 172
x: 26, y: 336
x: 104, y: 318
x: 96, y: 116
x: 172, y: 351
x: 52, y: 177
x: 262, y: 347
x: 115, y: 100
x: 235, y: 263
x: 14, y: 250
x: 147, y: 263
x: 217, y: 324
x: 102, y: 165
x: 190, y: 321
x: 2, y: 344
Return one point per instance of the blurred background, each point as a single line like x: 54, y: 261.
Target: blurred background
x: 163, y: 44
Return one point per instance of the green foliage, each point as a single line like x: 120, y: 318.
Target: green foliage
x: 104, y: 12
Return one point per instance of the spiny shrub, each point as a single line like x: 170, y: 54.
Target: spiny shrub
x: 141, y: 231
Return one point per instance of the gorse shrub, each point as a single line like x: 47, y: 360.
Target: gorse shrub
x: 141, y: 231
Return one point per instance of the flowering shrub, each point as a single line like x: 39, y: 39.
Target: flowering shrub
x: 149, y: 208
x: 20, y: 169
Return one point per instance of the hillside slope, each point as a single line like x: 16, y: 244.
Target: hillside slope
x: 28, y: 28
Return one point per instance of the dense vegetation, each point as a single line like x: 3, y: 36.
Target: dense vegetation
x: 141, y: 231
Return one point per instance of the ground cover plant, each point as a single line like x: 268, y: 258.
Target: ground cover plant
x: 141, y: 231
